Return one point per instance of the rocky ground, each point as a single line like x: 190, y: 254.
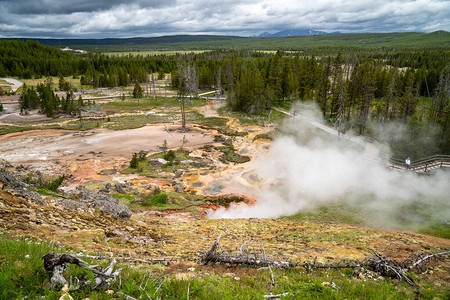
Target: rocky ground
x: 85, y: 215
x: 95, y: 222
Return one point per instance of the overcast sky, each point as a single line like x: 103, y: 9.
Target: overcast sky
x: 132, y: 18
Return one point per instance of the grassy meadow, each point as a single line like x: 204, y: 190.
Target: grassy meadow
x: 22, y: 276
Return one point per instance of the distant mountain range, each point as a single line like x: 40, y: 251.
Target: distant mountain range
x: 295, y: 32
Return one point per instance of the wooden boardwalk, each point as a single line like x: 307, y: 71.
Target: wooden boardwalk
x: 373, y: 149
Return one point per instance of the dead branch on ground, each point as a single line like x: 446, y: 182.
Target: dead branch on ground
x: 376, y: 262
x: 56, y: 263
x: 255, y: 259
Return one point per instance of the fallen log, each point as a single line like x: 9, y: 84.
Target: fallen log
x: 376, y: 262
x: 241, y: 258
x: 56, y: 263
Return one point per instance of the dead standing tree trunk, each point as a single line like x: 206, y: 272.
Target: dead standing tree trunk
x: 187, y: 85
x: 181, y: 93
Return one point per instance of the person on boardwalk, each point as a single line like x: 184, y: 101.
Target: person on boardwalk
x: 407, y: 163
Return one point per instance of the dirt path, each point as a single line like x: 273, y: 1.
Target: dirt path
x: 15, y: 84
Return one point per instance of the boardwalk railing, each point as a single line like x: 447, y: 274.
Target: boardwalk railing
x: 422, y: 165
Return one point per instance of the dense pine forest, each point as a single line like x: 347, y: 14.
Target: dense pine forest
x: 363, y: 91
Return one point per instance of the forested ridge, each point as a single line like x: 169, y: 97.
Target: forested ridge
x: 353, y: 90
x: 318, y: 44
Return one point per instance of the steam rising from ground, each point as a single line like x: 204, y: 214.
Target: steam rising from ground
x: 307, y: 167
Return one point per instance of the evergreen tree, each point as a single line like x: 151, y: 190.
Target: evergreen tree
x: 161, y: 73
x: 336, y: 84
x: 134, y: 161
x: 324, y: 86
x: 275, y: 77
x: 80, y: 101
x: 367, y: 94
x: 137, y: 90
x: 440, y: 110
x: 391, y: 94
x: 29, y: 99
x: 249, y: 91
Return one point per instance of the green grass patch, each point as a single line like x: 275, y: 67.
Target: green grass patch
x: 147, y: 103
x: 157, y: 200
x: 438, y: 229
x: 265, y: 136
x: 232, y: 133
x: 338, y: 213
x: 11, y: 129
x: 230, y: 155
x: 21, y: 268
x: 263, y: 119
x: 418, y: 217
x: 55, y: 80
x: 210, y: 122
x: 151, y: 168
x: 84, y: 124
x: 124, y: 198
x: 145, y: 53
x: 47, y: 192
x: 284, y: 104
x: 22, y: 275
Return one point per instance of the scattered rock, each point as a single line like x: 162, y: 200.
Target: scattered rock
x: 161, y: 161
x: 71, y: 205
x: 120, y: 188
x: 32, y: 196
x: 179, y: 189
x: 187, y: 161
x: 105, y: 203
x: 10, y: 180
x: 103, y: 190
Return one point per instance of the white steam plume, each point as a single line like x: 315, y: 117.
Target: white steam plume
x: 306, y: 167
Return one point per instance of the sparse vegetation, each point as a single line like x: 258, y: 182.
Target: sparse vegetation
x: 170, y: 156
x: 22, y: 275
x: 230, y: 155
x: 51, y: 184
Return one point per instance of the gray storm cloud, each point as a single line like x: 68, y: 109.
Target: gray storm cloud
x: 57, y: 7
x: 101, y: 19
x: 306, y: 168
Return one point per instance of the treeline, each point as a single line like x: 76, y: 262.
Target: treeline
x: 31, y: 60
x: 351, y: 89
x: 412, y: 89
x: 44, y: 98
